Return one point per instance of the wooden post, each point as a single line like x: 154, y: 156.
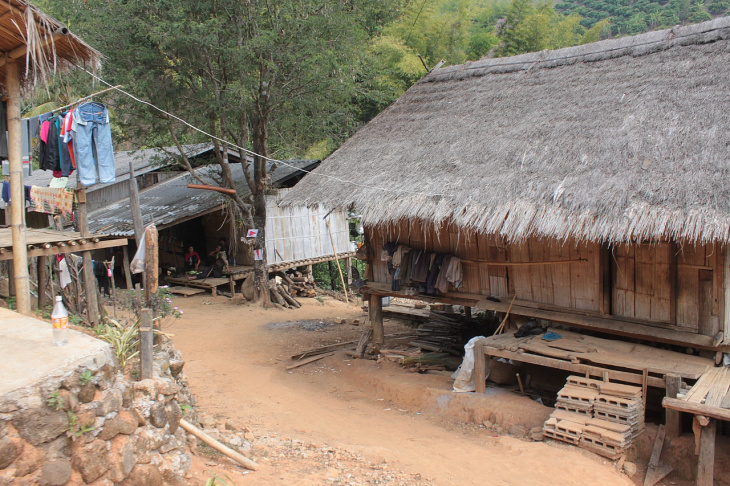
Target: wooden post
x: 146, y: 339
x: 337, y: 261
x: 42, y: 263
x: 150, y: 265
x: 467, y: 312
x: 90, y: 286
x: 375, y: 313
x: 726, y: 293
x: 673, y: 424
x: 706, y: 463
x: 125, y: 265
x: 11, y: 279
x: 480, y: 367
x: 348, y: 271
x: 17, y: 192
x: 707, y: 325
x: 134, y: 205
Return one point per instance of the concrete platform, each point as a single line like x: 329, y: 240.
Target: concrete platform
x: 30, y: 364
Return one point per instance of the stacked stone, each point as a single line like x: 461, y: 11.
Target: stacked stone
x: 599, y: 416
x: 91, y: 425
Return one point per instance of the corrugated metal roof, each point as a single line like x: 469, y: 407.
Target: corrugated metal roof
x: 171, y: 200
x: 144, y: 160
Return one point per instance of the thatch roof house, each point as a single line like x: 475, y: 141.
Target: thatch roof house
x: 589, y: 181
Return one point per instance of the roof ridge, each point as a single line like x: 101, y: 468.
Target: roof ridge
x: 638, y: 45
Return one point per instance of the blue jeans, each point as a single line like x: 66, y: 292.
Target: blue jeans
x: 93, y: 144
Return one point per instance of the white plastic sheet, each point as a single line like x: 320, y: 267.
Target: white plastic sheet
x: 464, y: 374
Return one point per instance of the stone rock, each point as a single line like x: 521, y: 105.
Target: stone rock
x: 169, y: 446
x: 156, y: 437
x: 8, y: 406
x: 39, y: 425
x: 92, y: 460
x: 176, y: 366
x: 141, y: 422
x: 9, y: 450
x: 123, y: 423
x: 517, y: 431
x: 629, y: 468
x: 111, y: 401
x: 29, y: 461
x: 124, y: 459
x: 158, y: 415
x: 127, y: 396
x: 487, y: 424
x: 537, y: 437
x: 536, y: 430
x: 247, y: 288
x: 86, y: 419
x: 167, y: 387
x: 144, y: 475
x: 86, y: 393
x: 55, y: 473
x: 146, y: 387
x: 206, y: 421
x: 174, y: 414
x: 70, y: 402
x: 235, y: 441
x: 230, y: 425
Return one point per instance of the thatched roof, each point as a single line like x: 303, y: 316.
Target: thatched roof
x: 613, y: 141
x: 50, y: 46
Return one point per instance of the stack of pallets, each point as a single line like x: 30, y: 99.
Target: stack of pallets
x: 602, y: 417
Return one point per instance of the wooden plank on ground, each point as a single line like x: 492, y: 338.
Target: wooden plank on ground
x: 186, y: 291
x: 652, y: 471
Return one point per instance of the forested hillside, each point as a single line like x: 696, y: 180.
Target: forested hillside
x: 629, y: 17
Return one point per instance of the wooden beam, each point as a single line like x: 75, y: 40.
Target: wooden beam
x: 652, y: 468
x: 696, y: 408
x: 58, y: 250
x: 42, y: 264
x: 17, y: 193
x: 635, y: 378
x: 125, y: 266
x: 480, y: 367
x: 222, y: 190
x: 726, y: 293
x: 525, y: 264
x: 375, y: 313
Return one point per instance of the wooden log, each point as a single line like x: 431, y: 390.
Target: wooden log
x: 365, y: 338
x: 285, y: 278
x: 375, y: 314
x: 146, y: 339
x: 291, y: 300
x: 673, y: 427
x: 239, y: 458
x: 277, y: 297
x: 17, y: 193
x: 706, y: 462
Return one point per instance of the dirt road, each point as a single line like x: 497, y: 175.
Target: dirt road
x: 341, y: 421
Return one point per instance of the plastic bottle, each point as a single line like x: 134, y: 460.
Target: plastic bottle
x: 59, y: 318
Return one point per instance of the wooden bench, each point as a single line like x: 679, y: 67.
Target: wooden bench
x: 211, y: 283
x: 708, y: 400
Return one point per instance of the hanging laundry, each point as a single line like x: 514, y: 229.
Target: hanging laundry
x: 51, y: 200
x: 50, y: 148
x: 34, y: 125
x: 454, y: 272
x: 92, y: 142
x: 64, y: 276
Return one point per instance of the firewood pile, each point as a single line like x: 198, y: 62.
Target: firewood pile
x: 599, y: 416
x: 447, y: 332
x: 285, y: 286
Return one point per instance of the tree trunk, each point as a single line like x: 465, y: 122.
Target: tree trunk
x: 260, y: 267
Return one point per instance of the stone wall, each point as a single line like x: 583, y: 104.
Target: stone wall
x: 91, y: 425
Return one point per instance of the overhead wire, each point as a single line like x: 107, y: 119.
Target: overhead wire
x: 251, y: 152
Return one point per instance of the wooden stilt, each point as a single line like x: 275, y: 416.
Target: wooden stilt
x: 125, y: 265
x: 146, y: 338
x: 375, y: 313
x: 467, y: 312
x: 706, y: 463
x: 90, y: 286
x: 480, y: 368
x: 42, y: 263
x: 672, y: 419
x: 17, y: 193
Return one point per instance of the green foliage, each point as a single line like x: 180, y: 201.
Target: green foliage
x: 160, y: 302
x: 75, y: 430
x: 55, y: 401
x: 123, y: 338
x: 185, y: 408
x: 11, y: 303
x: 216, y: 480
x: 86, y: 377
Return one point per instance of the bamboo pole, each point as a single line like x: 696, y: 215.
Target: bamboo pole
x: 241, y: 459
x: 17, y: 196
x: 90, y: 285
x: 337, y: 260
x: 21, y: 51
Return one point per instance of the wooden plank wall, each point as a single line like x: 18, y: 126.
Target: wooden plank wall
x: 667, y: 283
x: 574, y: 286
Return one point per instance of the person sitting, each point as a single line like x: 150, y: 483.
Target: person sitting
x: 221, y: 263
x: 192, y: 259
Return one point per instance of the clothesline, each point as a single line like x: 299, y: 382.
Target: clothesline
x: 81, y: 100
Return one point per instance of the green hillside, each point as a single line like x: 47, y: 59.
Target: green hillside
x: 630, y: 17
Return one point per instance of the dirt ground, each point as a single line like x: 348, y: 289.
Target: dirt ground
x: 347, y: 421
